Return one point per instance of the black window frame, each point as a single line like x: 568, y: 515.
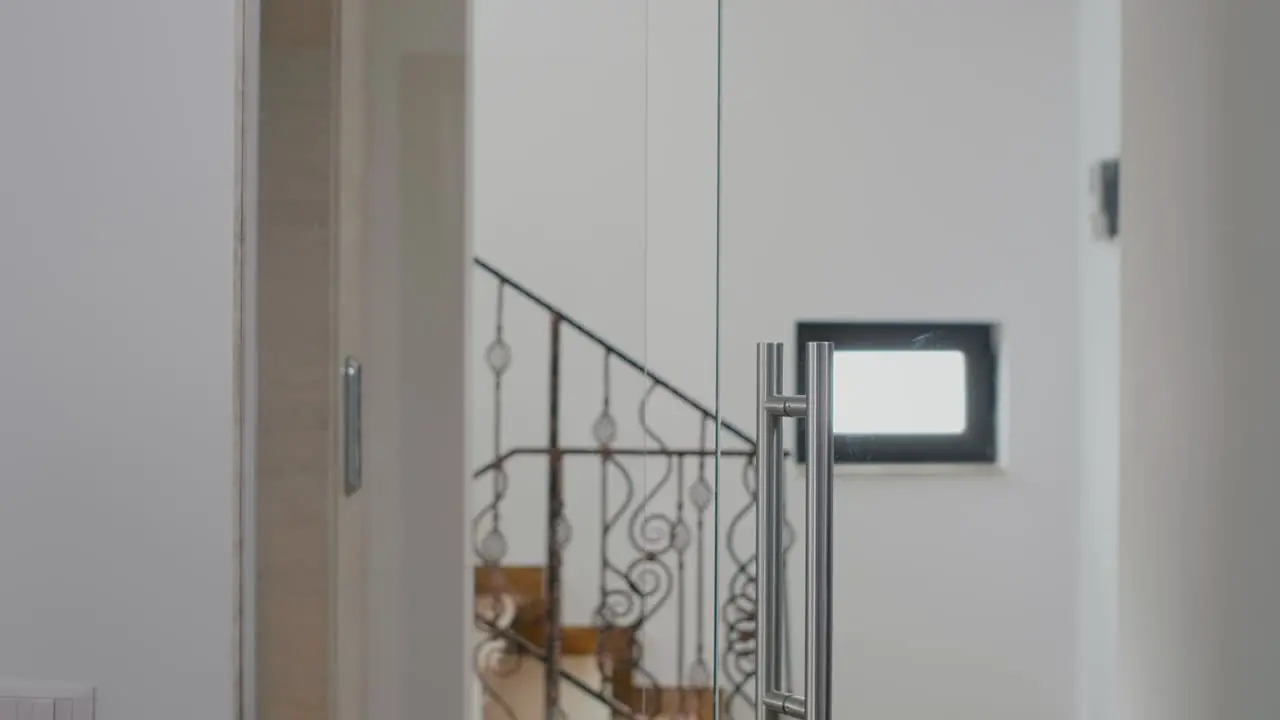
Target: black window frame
x: 977, y: 341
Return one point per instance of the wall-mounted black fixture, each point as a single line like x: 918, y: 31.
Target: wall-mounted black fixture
x: 1105, y: 183
x: 912, y: 392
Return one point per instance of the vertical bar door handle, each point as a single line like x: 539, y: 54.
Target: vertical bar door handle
x: 352, y: 430
x: 820, y: 452
x: 815, y: 406
x: 769, y: 524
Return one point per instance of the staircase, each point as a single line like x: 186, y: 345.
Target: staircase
x: 595, y: 590
x: 512, y: 610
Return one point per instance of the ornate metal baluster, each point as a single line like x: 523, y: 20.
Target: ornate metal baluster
x: 492, y: 653
x: 652, y: 534
x: 557, y: 536
x: 604, y: 430
x: 638, y: 583
x: 701, y: 496
x: 738, y: 613
x: 680, y: 540
x: 492, y: 545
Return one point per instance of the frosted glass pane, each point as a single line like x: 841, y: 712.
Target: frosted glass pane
x: 900, y: 392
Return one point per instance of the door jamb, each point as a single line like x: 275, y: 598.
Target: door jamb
x: 248, y: 60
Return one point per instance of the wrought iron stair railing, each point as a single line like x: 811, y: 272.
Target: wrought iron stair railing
x: 654, y: 569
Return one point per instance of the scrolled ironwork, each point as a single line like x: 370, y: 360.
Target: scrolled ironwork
x: 654, y: 539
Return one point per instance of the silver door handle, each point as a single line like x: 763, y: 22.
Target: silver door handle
x: 772, y: 406
x: 352, y: 426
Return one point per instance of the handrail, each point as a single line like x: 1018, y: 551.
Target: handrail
x: 610, y: 348
x: 660, y: 537
x: 605, y: 452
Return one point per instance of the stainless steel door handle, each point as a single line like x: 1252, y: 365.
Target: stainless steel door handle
x: 352, y: 426
x: 772, y: 406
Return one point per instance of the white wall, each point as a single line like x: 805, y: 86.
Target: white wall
x: 117, y: 202
x: 914, y: 160
x: 1099, y: 369
x: 1199, y: 583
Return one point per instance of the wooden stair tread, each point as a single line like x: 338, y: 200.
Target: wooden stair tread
x: 523, y: 581
x: 667, y: 701
x: 526, y: 584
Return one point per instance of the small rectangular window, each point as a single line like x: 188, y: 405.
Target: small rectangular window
x: 908, y: 392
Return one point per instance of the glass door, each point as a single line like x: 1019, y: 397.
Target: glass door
x: 903, y: 206
x: 597, y: 583
x: 776, y: 457
x: 795, y: 265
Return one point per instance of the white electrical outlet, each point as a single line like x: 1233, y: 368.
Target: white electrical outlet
x: 45, y: 701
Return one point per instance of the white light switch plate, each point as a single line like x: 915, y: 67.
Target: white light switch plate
x: 45, y: 701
